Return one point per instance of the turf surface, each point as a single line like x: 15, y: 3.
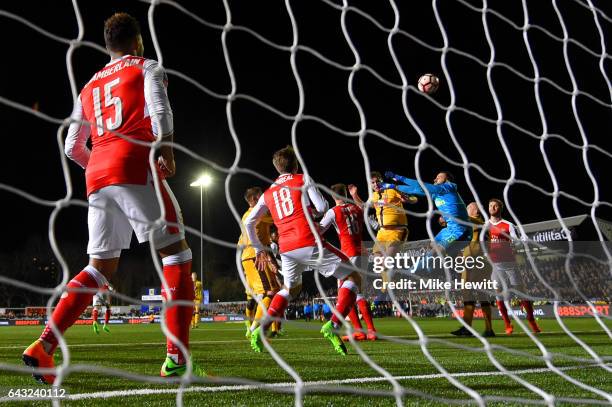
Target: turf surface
x: 222, y: 350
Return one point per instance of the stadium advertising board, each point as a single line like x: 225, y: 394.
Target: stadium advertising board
x: 547, y: 311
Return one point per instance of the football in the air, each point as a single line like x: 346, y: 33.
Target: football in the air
x: 428, y: 83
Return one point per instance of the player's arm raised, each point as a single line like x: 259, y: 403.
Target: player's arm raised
x: 412, y: 186
x: 352, y: 190
x: 158, y: 106
x: 78, y: 134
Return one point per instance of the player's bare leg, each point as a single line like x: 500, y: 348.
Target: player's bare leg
x: 485, y: 306
x: 468, y: 317
x: 261, y: 311
x: 69, y: 308
x: 468, y: 312
x: 389, y: 249
x: 196, y: 315
x: 277, y: 328
x: 250, y: 314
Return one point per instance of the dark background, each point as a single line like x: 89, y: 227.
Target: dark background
x: 34, y: 75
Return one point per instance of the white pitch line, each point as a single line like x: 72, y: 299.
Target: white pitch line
x: 218, y: 389
x: 102, y: 345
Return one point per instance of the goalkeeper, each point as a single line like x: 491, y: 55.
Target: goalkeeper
x: 447, y: 200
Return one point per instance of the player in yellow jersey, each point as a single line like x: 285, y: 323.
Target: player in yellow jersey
x: 390, y: 214
x: 197, y: 300
x: 263, y: 284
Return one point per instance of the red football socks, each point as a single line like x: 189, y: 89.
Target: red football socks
x: 277, y: 306
x: 364, y: 308
x: 178, y: 318
x: 504, y: 312
x: 354, y: 317
x: 346, y: 301
x: 71, y: 305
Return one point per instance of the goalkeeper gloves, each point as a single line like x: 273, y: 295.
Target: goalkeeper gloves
x: 390, y: 175
x: 384, y: 186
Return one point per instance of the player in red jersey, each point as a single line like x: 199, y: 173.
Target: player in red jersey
x: 123, y: 108
x: 347, y: 219
x: 292, y: 199
x: 501, y: 234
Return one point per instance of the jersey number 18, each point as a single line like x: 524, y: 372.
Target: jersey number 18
x: 283, y: 202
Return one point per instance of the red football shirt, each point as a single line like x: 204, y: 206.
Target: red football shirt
x: 114, y: 102
x: 500, y: 235
x: 349, y: 220
x: 284, y: 200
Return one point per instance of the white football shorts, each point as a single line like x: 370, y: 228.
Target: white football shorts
x: 116, y: 211
x: 295, y: 262
x: 99, y: 300
x: 506, y: 271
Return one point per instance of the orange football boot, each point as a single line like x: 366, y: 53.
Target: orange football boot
x: 358, y: 336
x: 35, y: 356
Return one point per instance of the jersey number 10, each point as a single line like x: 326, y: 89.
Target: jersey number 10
x: 109, y: 100
x: 283, y: 202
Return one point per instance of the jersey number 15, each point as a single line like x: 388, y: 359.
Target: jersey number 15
x: 109, y: 100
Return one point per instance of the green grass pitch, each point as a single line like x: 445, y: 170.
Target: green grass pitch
x: 223, y: 351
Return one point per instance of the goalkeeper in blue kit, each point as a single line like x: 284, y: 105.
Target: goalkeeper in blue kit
x: 447, y: 200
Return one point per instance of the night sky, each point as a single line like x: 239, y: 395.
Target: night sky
x: 34, y: 74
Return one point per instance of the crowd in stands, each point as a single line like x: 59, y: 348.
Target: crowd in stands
x: 588, y: 276
x: 223, y: 308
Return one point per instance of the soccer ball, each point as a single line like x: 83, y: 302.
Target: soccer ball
x: 428, y: 83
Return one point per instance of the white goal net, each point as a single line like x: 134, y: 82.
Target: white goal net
x: 523, y: 114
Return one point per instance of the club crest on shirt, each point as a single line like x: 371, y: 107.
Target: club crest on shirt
x: 439, y: 202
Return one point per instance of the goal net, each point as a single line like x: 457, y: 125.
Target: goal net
x: 522, y: 114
